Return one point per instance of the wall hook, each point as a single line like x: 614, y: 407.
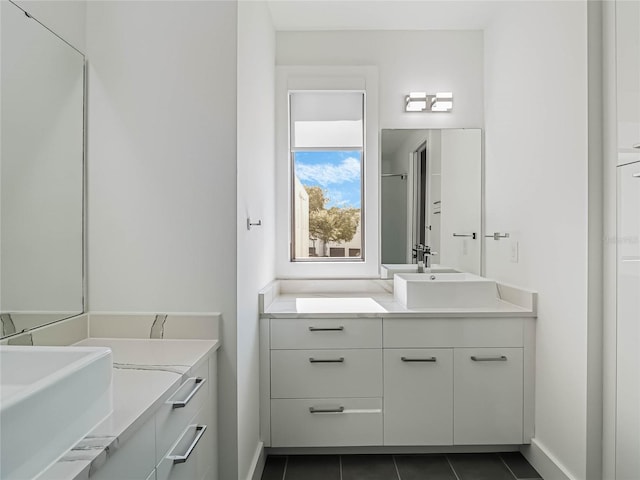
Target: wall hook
x: 249, y: 224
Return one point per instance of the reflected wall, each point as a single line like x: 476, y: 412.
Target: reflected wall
x: 41, y: 174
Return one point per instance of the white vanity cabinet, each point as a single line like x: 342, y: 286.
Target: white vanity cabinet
x: 628, y: 324
x: 178, y: 442
x: 185, y: 432
x: 325, y: 382
x: 628, y: 80
x: 466, y: 388
x: 397, y: 381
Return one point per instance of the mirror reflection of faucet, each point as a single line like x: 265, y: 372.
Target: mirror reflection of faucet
x: 423, y: 255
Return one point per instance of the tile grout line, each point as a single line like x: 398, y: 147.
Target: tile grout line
x: 508, y: 468
x: 396, y: 465
x: 451, y: 467
x: 286, y: 463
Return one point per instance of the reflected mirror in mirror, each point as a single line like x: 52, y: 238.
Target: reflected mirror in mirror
x: 431, y: 189
x: 41, y: 175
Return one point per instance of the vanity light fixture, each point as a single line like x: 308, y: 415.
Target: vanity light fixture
x: 421, y: 102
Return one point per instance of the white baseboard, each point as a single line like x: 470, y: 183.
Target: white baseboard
x: 547, y: 465
x: 257, y: 464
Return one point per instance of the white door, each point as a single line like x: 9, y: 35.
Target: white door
x: 628, y: 328
x: 628, y: 80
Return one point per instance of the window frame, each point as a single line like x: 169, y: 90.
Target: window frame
x: 299, y: 78
x: 363, y: 157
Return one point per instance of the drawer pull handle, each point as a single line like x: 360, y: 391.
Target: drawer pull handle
x: 326, y: 360
x: 183, y: 403
x: 326, y: 329
x: 636, y: 175
x: 326, y: 410
x: 637, y: 145
x: 498, y: 358
x: 425, y: 359
x: 200, y: 429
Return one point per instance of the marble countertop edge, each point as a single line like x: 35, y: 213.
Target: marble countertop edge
x: 131, y: 409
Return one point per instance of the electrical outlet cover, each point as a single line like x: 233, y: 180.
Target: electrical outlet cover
x: 514, y: 251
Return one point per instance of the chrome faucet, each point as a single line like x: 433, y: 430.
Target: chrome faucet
x: 418, y: 254
x: 427, y: 259
x: 422, y: 254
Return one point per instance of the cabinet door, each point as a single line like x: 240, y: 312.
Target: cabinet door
x: 628, y: 80
x: 418, y: 396
x: 628, y: 328
x: 488, y: 396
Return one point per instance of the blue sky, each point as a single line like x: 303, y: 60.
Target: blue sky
x: 337, y: 172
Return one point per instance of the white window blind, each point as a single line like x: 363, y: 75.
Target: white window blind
x: 327, y: 120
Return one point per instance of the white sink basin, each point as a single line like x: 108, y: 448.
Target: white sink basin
x: 444, y: 290
x: 50, y: 398
x: 388, y: 270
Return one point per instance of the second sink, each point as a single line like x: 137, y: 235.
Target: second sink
x: 444, y: 290
x: 50, y: 398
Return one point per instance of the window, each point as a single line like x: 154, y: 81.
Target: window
x: 327, y: 175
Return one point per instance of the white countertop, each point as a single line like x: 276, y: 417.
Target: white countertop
x: 145, y: 374
x: 374, y: 298
x: 350, y: 305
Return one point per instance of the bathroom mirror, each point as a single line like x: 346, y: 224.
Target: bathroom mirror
x: 431, y: 194
x: 41, y: 175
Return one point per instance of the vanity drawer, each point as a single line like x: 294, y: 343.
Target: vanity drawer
x: 336, y: 422
x: 172, y: 418
x: 194, y: 443
x: 326, y: 373
x: 453, y: 332
x: 304, y: 333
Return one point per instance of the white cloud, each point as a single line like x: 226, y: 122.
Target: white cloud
x: 326, y: 174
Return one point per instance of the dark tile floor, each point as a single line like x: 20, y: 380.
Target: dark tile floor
x: 459, y: 466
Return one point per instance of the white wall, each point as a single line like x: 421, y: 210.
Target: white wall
x: 537, y: 190
x: 162, y: 170
x: 66, y: 18
x: 256, y: 200
x: 461, y: 194
x: 407, y: 61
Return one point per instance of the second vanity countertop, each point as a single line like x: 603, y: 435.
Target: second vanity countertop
x: 145, y: 374
x: 374, y: 298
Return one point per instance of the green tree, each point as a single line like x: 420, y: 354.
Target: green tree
x: 317, y: 198
x: 330, y: 225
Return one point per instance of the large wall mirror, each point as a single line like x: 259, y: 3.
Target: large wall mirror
x: 431, y: 189
x: 41, y: 175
